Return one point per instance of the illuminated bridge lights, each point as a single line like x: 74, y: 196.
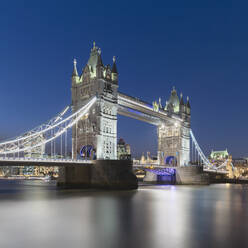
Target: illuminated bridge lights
x: 163, y: 171
x: 50, y: 132
x: 59, y: 125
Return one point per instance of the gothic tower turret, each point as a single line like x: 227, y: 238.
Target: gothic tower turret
x: 182, y: 107
x: 188, y: 106
x: 99, y: 66
x: 174, y: 138
x: 114, y: 73
x: 174, y: 101
x: 97, y: 132
x: 74, y: 81
x: 74, y: 76
x: 181, y: 103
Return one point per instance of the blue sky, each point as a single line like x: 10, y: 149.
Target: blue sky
x: 200, y: 48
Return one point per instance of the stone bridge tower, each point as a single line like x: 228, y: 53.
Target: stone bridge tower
x: 174, y: 137
x: 95, y: 136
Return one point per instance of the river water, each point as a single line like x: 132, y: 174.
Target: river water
x: 38, y: 215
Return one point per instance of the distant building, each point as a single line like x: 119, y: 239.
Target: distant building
x: 37, y: 152
x: 219, y: 155
x: 241, y: 167
x: 123, y: 150
x: 148, y: 159
x: 239, y: 162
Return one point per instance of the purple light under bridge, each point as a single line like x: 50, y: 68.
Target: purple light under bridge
x: 163, y: 172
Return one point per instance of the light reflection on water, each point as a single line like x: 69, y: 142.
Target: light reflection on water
x: 36, y: 214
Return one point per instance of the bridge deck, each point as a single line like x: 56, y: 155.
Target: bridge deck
x: 157, y: 166
x: 42, y: 162
x: 71, y: 162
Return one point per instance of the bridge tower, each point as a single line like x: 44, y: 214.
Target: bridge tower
x: 174, y: 137
x: 95, y: 136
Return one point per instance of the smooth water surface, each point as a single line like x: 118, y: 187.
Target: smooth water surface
x: 38, y: 215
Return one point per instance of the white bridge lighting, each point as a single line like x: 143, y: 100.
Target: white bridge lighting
x: 16, y: 146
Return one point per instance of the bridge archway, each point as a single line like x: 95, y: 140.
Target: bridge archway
x: 170, y: 161
x: 88, y: 152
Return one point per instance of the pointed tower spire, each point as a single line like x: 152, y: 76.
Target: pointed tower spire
x: 99, y: 65
x: 159, y: 103
x: 99, y: 58
x: 182, y: 105
x: 181, y: 99
x: 114, y: 73
x: 166, y: 105
x: 74, y: 73
x: 174, y: 100
x: 187, y: 104
x: 94, y: 46
x: 114, y: 68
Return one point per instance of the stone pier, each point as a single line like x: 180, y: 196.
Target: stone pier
x: 150, y: 177
x: 103, y: 174
x: 191, y: 175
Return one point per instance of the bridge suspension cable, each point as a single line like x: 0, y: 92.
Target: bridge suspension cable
x: 45, y: 133
x: 41, y: 127
x: 204, y: 159
x: 206, y: 163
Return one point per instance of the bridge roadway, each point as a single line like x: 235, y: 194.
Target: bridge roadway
x: 216, y: 171
x: 157, y: 166
x: 70, y: 162
x: 42, y: 162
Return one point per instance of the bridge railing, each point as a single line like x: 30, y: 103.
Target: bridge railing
x: 45, y: 160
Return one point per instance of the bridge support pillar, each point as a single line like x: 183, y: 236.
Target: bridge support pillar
x: 105, y: 174
x: 193, y: 175
x: 95, y: 135
x: 74, y: 176
x: 173, y: 144
x: 150, y: 177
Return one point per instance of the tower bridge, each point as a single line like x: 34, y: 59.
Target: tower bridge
x: 96, y: 104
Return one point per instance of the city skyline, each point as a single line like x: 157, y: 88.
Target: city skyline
x: 37, y: 63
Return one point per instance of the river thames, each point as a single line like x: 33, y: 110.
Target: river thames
x: 37, y: 214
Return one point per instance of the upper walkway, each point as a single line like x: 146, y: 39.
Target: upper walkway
x: 135, y: 108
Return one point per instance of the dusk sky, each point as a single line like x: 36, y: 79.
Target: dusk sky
x: 201, y: 49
